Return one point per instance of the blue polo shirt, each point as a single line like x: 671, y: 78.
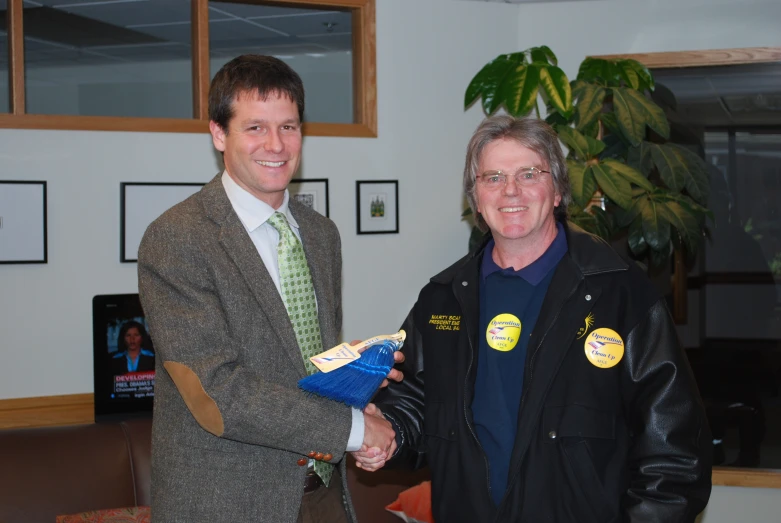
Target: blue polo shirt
x: 510, y: 303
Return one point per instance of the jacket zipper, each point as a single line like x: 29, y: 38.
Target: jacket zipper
x: 527, y: 385
x: 466, y: 418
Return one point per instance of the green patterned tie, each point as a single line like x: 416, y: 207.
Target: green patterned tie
x: 298, y: 294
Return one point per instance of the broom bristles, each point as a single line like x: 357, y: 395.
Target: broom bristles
x: 355, y: 383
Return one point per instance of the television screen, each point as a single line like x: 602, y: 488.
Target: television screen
x: 123, y: 356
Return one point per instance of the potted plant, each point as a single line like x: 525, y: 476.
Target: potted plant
x: 628, y: 179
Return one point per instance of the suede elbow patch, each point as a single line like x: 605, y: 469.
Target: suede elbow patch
x: 203, y: 408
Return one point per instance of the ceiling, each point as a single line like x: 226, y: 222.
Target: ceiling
x: 86, y: 32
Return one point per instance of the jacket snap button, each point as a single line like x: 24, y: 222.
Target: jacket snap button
x: 588, y: 297
x: 464, y: 283
x: 452, y: 433
x: 552, y: 434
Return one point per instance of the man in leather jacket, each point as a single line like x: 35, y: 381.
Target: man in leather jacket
x: 555, y: 388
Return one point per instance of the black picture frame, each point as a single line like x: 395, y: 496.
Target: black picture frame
x: 311, y: 192
x: 140, y: 204
x: 368, y: 194
x: 23, y: 222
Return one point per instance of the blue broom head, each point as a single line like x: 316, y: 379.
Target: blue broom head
x: 355, y: 383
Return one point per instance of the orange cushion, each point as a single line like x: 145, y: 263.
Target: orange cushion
x: 414, y: 504
x: 114, y: 515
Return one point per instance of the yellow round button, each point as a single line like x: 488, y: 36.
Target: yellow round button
x: 503, y: 332
x: 604, y: 348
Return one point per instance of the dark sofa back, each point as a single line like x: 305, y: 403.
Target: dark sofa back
x: 45, y: 472
x: 50, y: 471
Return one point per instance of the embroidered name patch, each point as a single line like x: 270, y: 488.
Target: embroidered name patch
x: 604, y: 348
x: 444, y: 322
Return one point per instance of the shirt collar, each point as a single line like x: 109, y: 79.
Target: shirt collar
x: 251, y: 211
x: 536, y: 271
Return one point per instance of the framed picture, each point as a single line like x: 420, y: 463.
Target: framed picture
x: 23, y: 222
x: 140, y: 205
x: 378, y: 206
x: 312, y: 193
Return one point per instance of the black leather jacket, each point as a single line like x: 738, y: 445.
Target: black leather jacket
x: 628, y: 443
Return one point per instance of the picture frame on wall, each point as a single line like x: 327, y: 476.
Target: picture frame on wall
x: 140, y: 204
x: 313, y: 193
x: 377, y: 204
x: 23, y: 222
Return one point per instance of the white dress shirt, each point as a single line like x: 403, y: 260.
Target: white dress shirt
x: 254, y: 215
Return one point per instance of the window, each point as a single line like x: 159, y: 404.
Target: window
x: 729, y: 109
x: 145, y: 65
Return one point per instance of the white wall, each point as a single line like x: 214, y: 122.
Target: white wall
x: 424, y: 63
x: 574, y: 30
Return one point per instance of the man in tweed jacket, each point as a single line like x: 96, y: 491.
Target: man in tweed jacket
x: 232, y: 434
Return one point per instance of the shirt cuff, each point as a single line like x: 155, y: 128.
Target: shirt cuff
x: 356, y: 432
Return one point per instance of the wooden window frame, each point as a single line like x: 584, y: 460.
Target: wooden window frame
x: 722, y: 476
x: 364, y: 80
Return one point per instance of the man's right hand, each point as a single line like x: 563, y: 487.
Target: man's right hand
x: 379, y: 440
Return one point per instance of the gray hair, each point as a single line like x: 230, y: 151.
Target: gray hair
x: 531, y: 133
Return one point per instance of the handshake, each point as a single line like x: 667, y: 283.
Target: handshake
x: 379, y: 440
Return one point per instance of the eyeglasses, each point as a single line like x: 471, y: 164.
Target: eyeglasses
x: 523, y: 176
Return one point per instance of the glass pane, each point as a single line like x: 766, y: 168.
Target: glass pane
x: 5, y: 105
x: 98, y: 58
x: 316, y: 42
x: 733, y: 115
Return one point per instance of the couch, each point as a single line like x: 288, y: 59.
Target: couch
x: 50, y: 471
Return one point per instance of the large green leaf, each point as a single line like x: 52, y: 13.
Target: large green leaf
x: 556, y: 86
x: 629, y: 174
x: 584, y: 147
x: 602, y: 223
x: 492, y: 80
x: 670, y: 165
x: 598, y: 70
x: 637, y: 243
x: 615, y: 187
x: 653, y: 114
x: 549, y: 54
x: 656, y: 229
x: 611, y: 124
x: 697, y: 182
x: 489, y: 77
x: 591, y: 99
x: 629, y: 75
x: 519, y: 88
x: 582, y: 182
x: 646, y: 80
x: 639, y: 157
x: 630, y: 121
x: 684, y: 221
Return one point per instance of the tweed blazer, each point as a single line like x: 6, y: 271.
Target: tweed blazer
x: 229, y: 422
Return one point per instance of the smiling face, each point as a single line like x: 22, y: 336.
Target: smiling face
x: 262, y: 145
x: 518, y: 215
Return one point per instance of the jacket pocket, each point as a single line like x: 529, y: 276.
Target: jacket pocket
x: 574, y: 428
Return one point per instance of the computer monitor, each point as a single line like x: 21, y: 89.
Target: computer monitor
x: 123, y: 358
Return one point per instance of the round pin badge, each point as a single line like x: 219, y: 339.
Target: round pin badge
x: 604, y: 348
x: 503, y: 332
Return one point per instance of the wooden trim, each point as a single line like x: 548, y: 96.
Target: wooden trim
x: 708, y: 58
x: 200, y: 58
x: 101, y: 123
x: 15, y: 56
x: 44, y: 411
x: 737, y: 477
x: 365, y: 67
x: 364, y: 74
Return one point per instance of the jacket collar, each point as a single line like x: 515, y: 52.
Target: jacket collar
x: 590, y: 254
